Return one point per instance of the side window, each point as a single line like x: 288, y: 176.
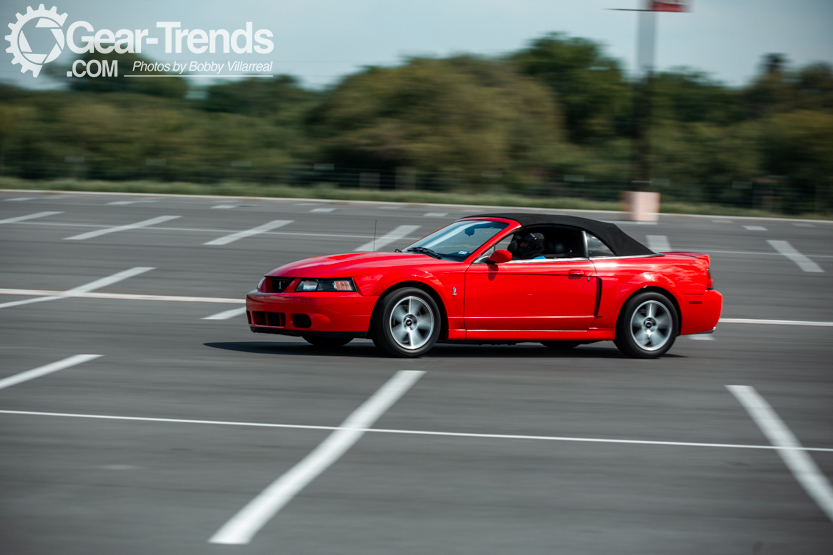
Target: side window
x: 502, y: 244
x: 595, y: 248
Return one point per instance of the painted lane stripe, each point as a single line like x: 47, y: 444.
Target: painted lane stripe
x: 774, y: 322
x: 323, y: 210
x: 410, y: 432
x: 110, y: 280
x: 213, y: 231
x: 701, y: 337
x: 82, y: 289
x: 225, y: 315
x: 802, y: 261
x: 756, y: 253
x: 44, y: 370
x: 19, y: 199
x: 804, y: 225
x: 29, y: 217
x: 399, y: 233
x: 788, y: 446
x: 658, y: 243
x: 245, y: 524
x: 274, y: 224
x: 118, y: 296
x: 435, y: 214
x: 108, y: 230
x: 295, y: 201
x: 754, y: 228
x: 128, y: 202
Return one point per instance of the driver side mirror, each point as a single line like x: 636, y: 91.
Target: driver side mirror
x: 500, y: 256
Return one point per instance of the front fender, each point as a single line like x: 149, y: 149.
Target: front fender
x: 448, y: 287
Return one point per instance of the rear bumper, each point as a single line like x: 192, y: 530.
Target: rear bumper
x: 700, y: 313
x: 296, y: 314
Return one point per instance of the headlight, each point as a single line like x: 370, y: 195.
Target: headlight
x: 341, y: 284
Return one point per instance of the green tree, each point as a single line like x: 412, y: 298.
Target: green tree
x: 462, y: 115
x: 590, y: 87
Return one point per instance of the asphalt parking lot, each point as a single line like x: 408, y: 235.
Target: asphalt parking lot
x: 189, y: 434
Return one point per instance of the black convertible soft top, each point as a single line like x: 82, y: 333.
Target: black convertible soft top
x: 619, y: 242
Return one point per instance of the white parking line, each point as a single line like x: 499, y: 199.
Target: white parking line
x: 658, y: 243
x: 388, y: 238
x: 107, y: 230
x: 245, y: 524
x: 755, y: 253
x: 274, y: 224
x: 29, y: 217
x: 511, y: 437
x: 754, y: 228
x: 788, y: 446
x: 82, y: 289
x: 214, y: 231
x: 226, y: 314
x: 435, y: 214
x: 774, y: 322
x: 117, y: 296
x: 802, y: 261
x: 44, y: 370
x: 322, y: 210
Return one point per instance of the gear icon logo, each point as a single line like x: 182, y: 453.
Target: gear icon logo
x: 23, y: 55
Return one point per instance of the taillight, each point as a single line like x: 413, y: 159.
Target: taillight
x: 709, y: 280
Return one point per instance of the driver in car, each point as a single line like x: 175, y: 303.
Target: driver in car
x: 527, y: 246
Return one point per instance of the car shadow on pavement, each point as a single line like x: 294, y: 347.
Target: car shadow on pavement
x: 366, y: 349
x: 301, y: 348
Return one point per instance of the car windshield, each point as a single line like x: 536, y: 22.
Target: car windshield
x: 458, y: 240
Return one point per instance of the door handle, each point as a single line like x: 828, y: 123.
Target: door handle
x: 575, y: 273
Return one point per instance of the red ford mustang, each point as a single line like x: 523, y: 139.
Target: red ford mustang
x: 495, y: 278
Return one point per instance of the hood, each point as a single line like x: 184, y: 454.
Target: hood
x: 354, y: 264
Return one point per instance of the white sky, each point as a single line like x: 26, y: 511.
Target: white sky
x: 322, y: 40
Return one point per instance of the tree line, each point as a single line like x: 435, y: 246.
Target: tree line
x: 554, y: 118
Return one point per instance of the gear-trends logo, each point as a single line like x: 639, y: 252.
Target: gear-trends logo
x: 23, y: 55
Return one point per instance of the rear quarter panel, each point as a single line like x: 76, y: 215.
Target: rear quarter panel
x: 683, y: 275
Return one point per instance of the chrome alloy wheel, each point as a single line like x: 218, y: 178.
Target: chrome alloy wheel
x: 411, y: 323
x: 651, y: 325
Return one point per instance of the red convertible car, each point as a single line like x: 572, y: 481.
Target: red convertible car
x: 495, y: 278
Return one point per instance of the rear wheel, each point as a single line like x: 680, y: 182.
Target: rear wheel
x: 408, y: 323
x: 327, y: 342
x: 648, y: 326
x: 560, y: 345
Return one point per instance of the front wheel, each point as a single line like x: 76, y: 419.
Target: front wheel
x: 408, y: 323
x: 647, y: 326
x: 327, y: 342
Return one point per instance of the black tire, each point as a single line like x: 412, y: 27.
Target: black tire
x: 561, y: 345
x: 407, y: 323
x: 647, y: 326
x: 327, y: 342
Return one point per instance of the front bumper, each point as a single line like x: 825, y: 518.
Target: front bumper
x: 322, y: 313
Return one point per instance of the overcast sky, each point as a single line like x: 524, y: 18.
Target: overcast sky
x: 320, y: 41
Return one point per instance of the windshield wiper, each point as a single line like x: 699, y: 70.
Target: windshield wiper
x: 424, y: 250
